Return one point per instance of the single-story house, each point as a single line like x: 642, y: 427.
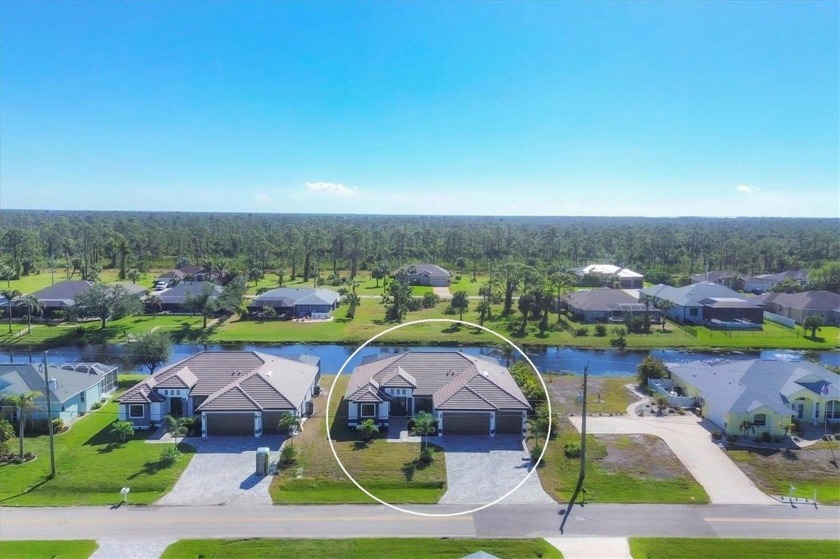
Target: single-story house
x: 234, y: 392
x: 175, y: 298
x: 755, y: 396
x: 61, y: 296
x: 465, y: 393
x: 194, y: 272
x: 766, y: 282
x: 606, y: 305
x: 297, y: 301
x: 708, y: 304
x: 727, y: 278
x: 425, y: 274
x: 799, y: 306
x: 626, y: 277
x: 169, y: 279
x: 74, y: 387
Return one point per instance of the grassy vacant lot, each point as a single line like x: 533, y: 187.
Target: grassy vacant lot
x: 388, y: 470
x: 91, y: 467
x: 68, y: 549
x: 814, y: 467
x: 720, y: 548
x: 35, y: 282
x: 361, y: 548
x: 620, y: 468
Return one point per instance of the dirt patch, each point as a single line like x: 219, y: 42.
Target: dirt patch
x: 605, y: 395
x: 641, y: 456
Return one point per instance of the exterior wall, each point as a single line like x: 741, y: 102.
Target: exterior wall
x: 755, y: 316
x: 157, y: 411
x: 306, y: 310
x: 773, y: 424
x: 380, y: 416
x: 137, y: 422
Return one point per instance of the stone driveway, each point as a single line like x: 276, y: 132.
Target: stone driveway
x: 222, y: 472
x: 479, y: 470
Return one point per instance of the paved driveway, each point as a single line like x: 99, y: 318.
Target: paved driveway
x: 479, y: 470
x: 687, y: 437
x: 222, y: 472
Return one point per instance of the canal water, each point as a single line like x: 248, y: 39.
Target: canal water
x: 547, y: 359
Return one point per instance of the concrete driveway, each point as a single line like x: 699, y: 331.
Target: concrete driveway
x: 222, y: 472
x: 479, y: 470
x: 690, y: 440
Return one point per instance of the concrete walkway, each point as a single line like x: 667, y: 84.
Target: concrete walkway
x: 442, y: 292
x: 131, y: 549
x: 592, y: 548
x: 690, y: 440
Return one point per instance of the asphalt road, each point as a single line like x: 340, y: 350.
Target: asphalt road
x: 128, y: 522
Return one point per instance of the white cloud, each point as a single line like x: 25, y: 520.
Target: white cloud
x: 747, y: 189
x: 333, y: 188
x: 262, y: 198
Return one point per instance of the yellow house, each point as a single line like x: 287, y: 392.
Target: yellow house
x: 756, y: 396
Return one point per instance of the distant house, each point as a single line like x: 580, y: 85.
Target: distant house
x: 175, y: 298
x: 799, y: 306
x: 726, y: 278
x: 74, y: 387
x: 466, y: 394
x: 61, y: 296
x: 169, y: 279
x: 766, y: 282
x: 708, y: 304
x: 628, y: 279
x: 754, y: 396
x: 194, y: 272
x: 606, y: 305
x: 425, y: 274
x: 297, y: 302
x: 233, y: 392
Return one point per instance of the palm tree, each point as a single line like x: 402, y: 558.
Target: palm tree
x: 10, y: 294
x: 176, y: 426
x: 367, y: 428
x: 24, y: 403
x: 288, y: 422
x: 460, y: 302
x: 484, y: 311
x: 664, y: 305
x: 31, y: 303
x: 155, y: 303
x: 122, y: 429
x: 353, y: 300
x: 647, y: 300
x: 424, y: 423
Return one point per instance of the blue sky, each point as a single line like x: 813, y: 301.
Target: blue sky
x: 654, y: 109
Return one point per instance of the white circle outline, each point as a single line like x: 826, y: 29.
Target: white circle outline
x: 427, y: 514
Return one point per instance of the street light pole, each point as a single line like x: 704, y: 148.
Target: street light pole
x: 49, y: 416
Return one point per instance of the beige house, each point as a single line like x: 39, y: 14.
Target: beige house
x: 755, y: 396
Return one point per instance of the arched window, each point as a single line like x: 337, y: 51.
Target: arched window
x: 832, y: 409
x: 760, y: 420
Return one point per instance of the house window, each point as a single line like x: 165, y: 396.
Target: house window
x: 760, y: 419
x: 832, y: 409
x: 135, y: 411
x: 368, y: 410
x: 692, y: 312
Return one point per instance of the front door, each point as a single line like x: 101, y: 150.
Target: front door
x: 176, y: 407
x: 398, y: 406
x: 800, y: 410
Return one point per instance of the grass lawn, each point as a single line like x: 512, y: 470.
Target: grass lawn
x: 619, y: 468
x: 466, y: 282
x: 36, y: 282
x: 361, y: 548
x: 32, y: 549
x: 714, y: 548
x: 91, y: 468
x: 388, y: 470
x: 809, y: 469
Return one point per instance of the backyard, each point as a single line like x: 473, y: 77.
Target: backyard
x: 390, y: 471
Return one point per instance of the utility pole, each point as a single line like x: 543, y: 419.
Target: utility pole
x: 583, y: 427
x: 49, y: 416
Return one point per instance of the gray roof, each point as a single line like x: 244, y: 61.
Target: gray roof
x: 293, y: 296
x: 728, y: 303
x: 432, y: 269
x: 713, y: 276
x: 233, y: 381
x: 172, y: 274
x: 602, y: 299
x: 178, y: 295
x: 17, y: 378
x: 63, y: 293
x: 807, y: 300
x: 743, y: 386
x: 133, y: 288
x: 454, y: 380
x: 691, y: 295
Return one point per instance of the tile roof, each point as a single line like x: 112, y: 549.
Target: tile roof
x: 451, y: 378
x: 292, y: 296
x: 178, y: 295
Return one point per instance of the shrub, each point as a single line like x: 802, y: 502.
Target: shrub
x: 716, y: 435
x: 96, y: 405
x: 681, y: 411
x: 535, y: 454
x: 413, y: 304
x: 571, y: 450
x: 426, y: 454
x: 581, y: 331
x: 600, y: 330
x: 58, y: 425
x: 766, y: 437
x: 288, y: 455
x: 732, y: 438
x: 429, y: 300
x: 169, y: 456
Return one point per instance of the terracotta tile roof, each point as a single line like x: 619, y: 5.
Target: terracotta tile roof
x: 180, y: 379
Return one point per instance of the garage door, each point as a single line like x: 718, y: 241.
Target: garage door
x: 466, y: 423
x: 509, y: 423
x: 230, y: 424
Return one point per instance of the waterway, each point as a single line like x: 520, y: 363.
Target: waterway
x: 547, y: 359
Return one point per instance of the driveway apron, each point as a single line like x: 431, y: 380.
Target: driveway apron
x: 479, y: 470
x: 223, y: 472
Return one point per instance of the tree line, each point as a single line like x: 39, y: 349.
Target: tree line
x: 304, y: 246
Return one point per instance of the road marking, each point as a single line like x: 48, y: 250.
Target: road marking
x: 777, y: 520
